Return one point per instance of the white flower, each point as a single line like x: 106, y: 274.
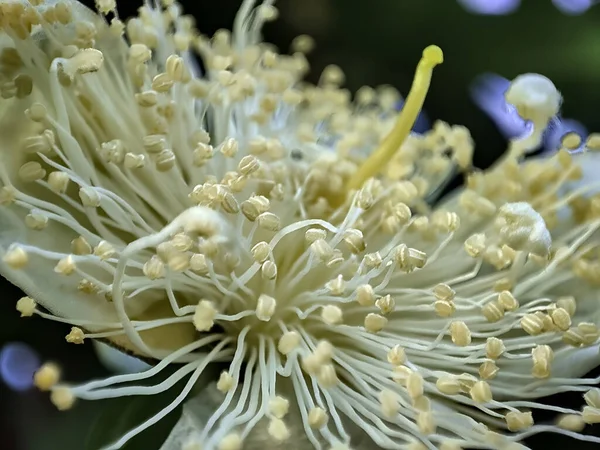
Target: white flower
x: 246, y: 218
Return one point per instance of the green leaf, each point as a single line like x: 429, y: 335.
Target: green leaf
x: 120, y: 415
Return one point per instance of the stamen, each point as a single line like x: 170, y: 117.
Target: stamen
x: 432, y: 56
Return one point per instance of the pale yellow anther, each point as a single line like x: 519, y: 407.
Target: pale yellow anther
x: 36, y: 220
x: 493, y: 311
x: 311, y: 363
x: 425, y: 422
x: 336, y: 286
x: 332, y: 315
x: 448, y: 385
x: 589, y: 332
x: 62, y: 397
x: 175, y: 67
x: 542, y: 356
x: 278, y: 430
x: 26, y: 306
x: 373, y: 260
x: 450, y: 444
x: 386, y: 304
x: 288, y: 342
x: 460, y: 333
x: 76, y: 336
x: 327, y: 376
x: 226, y: 382
x: 303, y: 43
x: 488, y: 370
x: 365, y: 296
x: 279, y: 406
x: 421, y: 403
x: 90, y: 197
x: 396, y: 355
x: 444, y: 292
x: 444, y: 308
x: 104, y: 250
x: 400, y: 375
x: 374, y: 323
x: 84, y: 61
x: 481, y: 392
x: 322, y: 250
x: 31, y: 171
x: 561, y: 319
x: 204, y: 316
x: 415, y: 445
x: 162, y: 83
x: 198, y: 263
x: 268, y: 270
x: 532, y: 324
x: 65, y: 266
x: 390, y: 405
x: 106, y: 6
x: 467, y: 381
x: 46, y: 377
x: 7, y: 195
x: 475, y: 245
x: 260, y: 252
x: 432, y: 56
x: 133, y: 161
x: 16, y: 258
x: 79, y: 246
x: 265, y: 307
x: 508, y: 301
x: 518, y: 421
x: 229, y: 147
x: 317, y: 417
x: 591, y: 415
x: 593, y: 142
x: 415, y: 385
x: 233, y: 441
x: 255, y: 206
x: 592, y: 397
x: 355, y: 241
x: 571, y: 422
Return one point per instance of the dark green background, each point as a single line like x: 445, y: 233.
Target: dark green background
x: 375, y: 42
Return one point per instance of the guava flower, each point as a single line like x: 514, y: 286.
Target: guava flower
x: 244, y: 217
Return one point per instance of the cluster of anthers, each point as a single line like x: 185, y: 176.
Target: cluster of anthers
x: 242, y: 216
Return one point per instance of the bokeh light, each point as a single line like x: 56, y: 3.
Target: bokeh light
x: 573, y: 7
x: 487, y: 91
x: 491, y: 7
x: 18, y: 362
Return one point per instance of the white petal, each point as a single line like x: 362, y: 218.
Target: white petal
x: 57, y: 293
x: 118, y: 361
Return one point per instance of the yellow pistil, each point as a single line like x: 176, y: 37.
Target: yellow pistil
x: 432, y: 56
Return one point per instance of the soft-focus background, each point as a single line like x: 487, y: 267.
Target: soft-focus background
x: 375, y: 42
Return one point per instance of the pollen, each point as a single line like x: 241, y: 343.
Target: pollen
x: 46, y: 377
x: 26, y: 306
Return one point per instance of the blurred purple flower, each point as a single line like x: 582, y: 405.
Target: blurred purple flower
x: 558, y: 129
x: 18, y: 363
x: 491, y: 7
x: 573, y: 7
x: 487, y: 91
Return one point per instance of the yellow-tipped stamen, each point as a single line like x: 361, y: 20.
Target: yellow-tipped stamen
x: 432, y: 56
